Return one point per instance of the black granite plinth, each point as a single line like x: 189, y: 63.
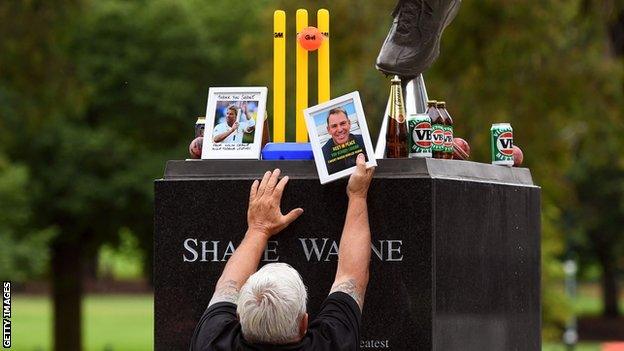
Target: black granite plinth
x: 455, y: 260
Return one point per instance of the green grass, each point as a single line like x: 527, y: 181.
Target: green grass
x: 580, y: 347
x: 110, y: 322
x: 588, y: 300
x: 30, y: 323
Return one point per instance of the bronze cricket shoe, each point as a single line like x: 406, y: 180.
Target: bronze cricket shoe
x: 413, y: 43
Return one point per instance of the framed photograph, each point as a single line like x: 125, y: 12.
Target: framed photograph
x: 338, y: 133
x: 234, y: 121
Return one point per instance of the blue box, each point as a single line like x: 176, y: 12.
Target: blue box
x: 287, y: 151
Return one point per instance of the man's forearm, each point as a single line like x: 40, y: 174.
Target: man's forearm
x: 220, y: 137
x: 243, y: 263
x: 355, y: 251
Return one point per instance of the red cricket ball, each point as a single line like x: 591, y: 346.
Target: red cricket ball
x: 518, y: 156
x: 195, y: 148
x: 461, y: 149
x: 310, y: 38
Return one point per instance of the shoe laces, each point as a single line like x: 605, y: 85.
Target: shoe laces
x: 410, y: 12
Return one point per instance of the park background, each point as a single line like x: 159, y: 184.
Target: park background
x: 95, y: 96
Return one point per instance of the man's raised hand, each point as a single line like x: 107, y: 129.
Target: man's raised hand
x: 264, y: 215
x: 360, y: 179
x: 264, y: 219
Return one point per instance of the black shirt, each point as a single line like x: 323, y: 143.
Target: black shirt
x: 335, y: 328
x: 343, y: 156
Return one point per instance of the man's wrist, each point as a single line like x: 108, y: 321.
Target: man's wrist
x: 257, y: 233
x: 357, y: 197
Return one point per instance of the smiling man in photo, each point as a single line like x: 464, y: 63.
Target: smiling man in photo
x: 341, y: 150
x: 231, y: 131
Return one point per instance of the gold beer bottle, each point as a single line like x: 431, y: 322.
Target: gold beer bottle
x: 266, y: 133
x: 396, y: 134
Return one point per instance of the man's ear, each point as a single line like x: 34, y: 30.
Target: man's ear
x: 303, y: 326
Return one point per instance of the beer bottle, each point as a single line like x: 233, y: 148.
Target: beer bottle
x: 448, y: 130
x: 199, y: 126
x: 266, y: 133
x: 396, y: 135
x: 437, y: 127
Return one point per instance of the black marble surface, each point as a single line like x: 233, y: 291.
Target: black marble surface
x: 456, y: 253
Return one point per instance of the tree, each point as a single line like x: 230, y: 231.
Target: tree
x: 598, y: 174
x: 547, y: 70
x: 23, y: 253
x: 115, y: 97
x: 598, y: 178
x: 38, y: 93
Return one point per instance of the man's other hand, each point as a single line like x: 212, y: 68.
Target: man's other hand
x: 264, y: 215
x: 360, y: 179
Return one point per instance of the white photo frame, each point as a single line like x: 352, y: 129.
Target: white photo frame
x: 240, y: 142
x: 336, y: 144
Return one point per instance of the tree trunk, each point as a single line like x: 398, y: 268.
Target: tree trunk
x: 67, y: 293
x: 616, y: 31
x: 610, y: 289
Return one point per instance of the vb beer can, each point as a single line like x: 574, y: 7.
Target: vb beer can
x: 419, y: 135
x: 501, y: 137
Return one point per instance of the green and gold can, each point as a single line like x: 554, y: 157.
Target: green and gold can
x: 419, y: 135
x: 501, y: 137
